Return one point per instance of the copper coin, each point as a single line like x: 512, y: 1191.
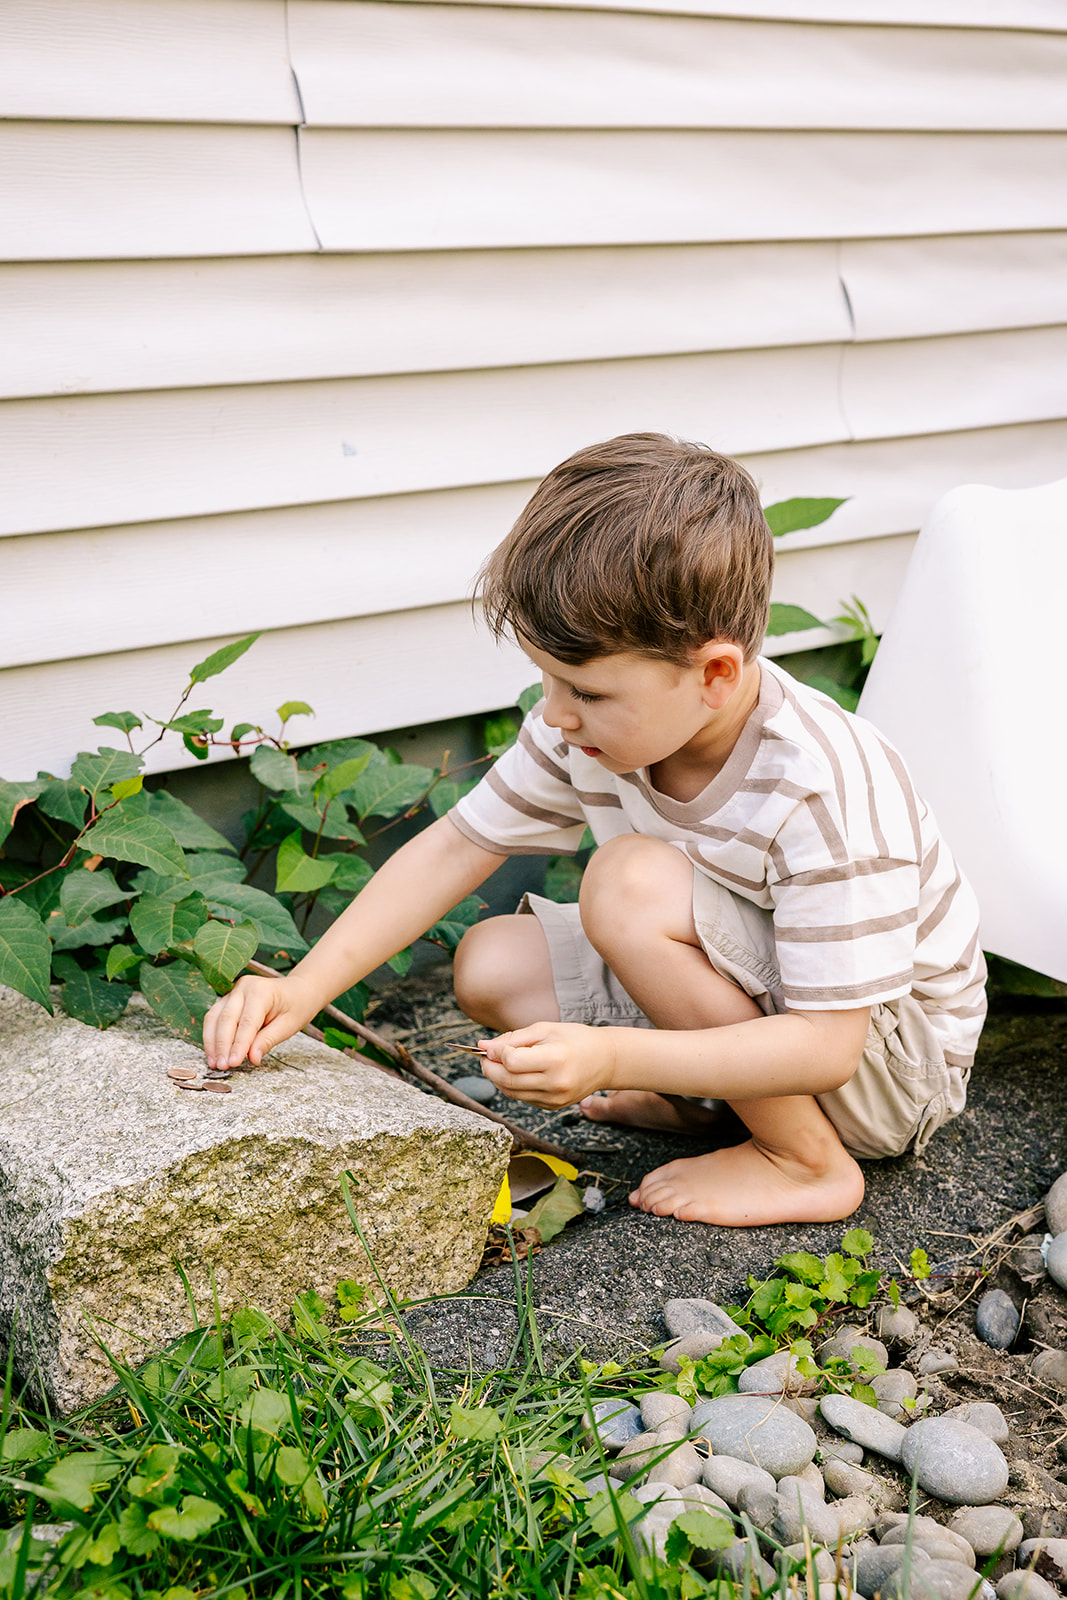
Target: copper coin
x: 219, y: 1076
x: 219, y: 1088
x: 190, y: 1083
x: 180, y: 1072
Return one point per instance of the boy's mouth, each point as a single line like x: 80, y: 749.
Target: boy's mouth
x: 589, y: 749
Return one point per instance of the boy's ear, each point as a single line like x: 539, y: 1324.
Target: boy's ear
x: 722, y: 665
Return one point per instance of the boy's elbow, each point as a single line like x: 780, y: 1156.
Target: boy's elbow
x: 838, y: 1044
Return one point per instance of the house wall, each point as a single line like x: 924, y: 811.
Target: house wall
x: 299, y: 298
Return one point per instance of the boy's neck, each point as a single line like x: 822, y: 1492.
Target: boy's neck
x: 687, y: 773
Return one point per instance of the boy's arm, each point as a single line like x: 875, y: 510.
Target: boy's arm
x: 424, y: 879
x: 802, y: 1052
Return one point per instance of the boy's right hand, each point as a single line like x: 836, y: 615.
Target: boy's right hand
x: 257, y: 1014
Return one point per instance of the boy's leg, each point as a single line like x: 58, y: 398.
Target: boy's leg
x: 503, y: 974
x: 637, y: 912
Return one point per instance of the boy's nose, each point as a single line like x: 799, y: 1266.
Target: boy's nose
x: 558, y: 715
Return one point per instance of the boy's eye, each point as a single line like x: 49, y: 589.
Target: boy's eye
x: 587, y: 698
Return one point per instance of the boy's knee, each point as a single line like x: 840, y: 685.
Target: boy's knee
x: 476, y: 975
x: 630, y: 876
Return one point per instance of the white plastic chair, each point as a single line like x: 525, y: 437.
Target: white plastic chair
x: 969, y: 685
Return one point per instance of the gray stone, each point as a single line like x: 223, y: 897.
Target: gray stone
x: 658, y: 1408
x: 636, y: 1456
x: 987, y: 1529
x: 684, y: 1317
x: 897, y: 1325
x: 755, y: 1429
x: 996, y: 1319
x: 651, y: 1494
x: 852, y: 1516
x: 694, y: 1346
x: 616, y: 1422
x: 475, y: 1087
x: 893, y: 1388
x: 985, y: 1416
x: 1052, y: 1551
x: 109, y: 1174
x: 1024, y: 1585
x: 873, y: 1568
x: 1051, y: 1367
x: 1056, y: 1206
x: 954, y: 1461
x: 1056, y: 1260
x: 760, y: 1506
x: 863, y: 1425
x: 727, y: 1476
x: 600, y: 1481
x: 936, y: 1360
x: 919, y: 1527
x: 792, y: 1556
x: 801, y: 1508
x: 681, y: 1467
x: 887, y: 1520
x: 1026, y: 1257
x: 848, y: 1339
x: 743, y: 1562
x: 938, y: 1548
x: 834, y: 1448
x: 943, y: 1580
x: 776, y: 1374
x: 675, y: 1428
x: 814, y: 1479
x: 845, y: 1479
x: 696, y: 1494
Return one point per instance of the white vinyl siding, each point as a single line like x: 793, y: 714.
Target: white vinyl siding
x: 299, y: 298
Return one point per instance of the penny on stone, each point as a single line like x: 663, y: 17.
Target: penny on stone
x: 190, y: 1083
x: 180, y: 1072
x: 218, y: 1088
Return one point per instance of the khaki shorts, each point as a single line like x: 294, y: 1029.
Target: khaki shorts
x: 901, y: 1092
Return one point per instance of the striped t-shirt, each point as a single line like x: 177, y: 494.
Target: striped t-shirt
x: 813, y: 817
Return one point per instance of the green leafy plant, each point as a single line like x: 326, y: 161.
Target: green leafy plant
x: 109, y: 883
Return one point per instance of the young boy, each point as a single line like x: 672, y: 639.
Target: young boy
x: 770, y: 919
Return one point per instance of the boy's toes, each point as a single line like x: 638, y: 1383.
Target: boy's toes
x: 597, y: 1107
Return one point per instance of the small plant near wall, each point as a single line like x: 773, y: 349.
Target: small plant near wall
x: 107, y: 886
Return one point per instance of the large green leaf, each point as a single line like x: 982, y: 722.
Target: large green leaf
x: 196, y: 1516
x: 297, y: 872
x: 221, y: 951
x: 530, y: 697
x: 475, y: 1422
x: 95, y: 773
x: 13, y: 796
x: 219, y: 660
x: 240, y: 902
x: 446, y: 792
x: 206, y: 867
x: 350, y: 873
x: 277, y: 771
x: 159, y: 923
x: 267, y: 1411
x: 337, y: 751
x: 790, y: 619
x: 92, y: 999
x: 343, y: 776
x: 122, y: 958
x: 64, y: 800
x: 91, y: 933
x: 139, y: 839
x: 384, y: 790
x: 77, y: 1477
x: 25, y: 951
x: 124, y: 721
x: 191, y: 831
x: 83, y: 894
x: 789, y: 516
x: 454, y: 924
x: 180, y: 995
x: 336, y: 825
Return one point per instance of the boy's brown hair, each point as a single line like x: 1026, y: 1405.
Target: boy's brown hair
x: 644, y: 544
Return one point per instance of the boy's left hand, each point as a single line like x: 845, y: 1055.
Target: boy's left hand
x: 550, y: 1064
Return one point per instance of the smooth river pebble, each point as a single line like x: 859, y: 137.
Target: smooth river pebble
x: 475, y: 1088
x: 996, y: 1319
x: 756, y: 1429
x: 1056, y: 1206
x: 658, y: 1408
x: 1056, y: 1260
x: 954, y: 1461
x: 726, y: 1476
x: 987, y: 1529
x: 1053, y: 1550
x: 698, y: 1316
x: 1023, y: 1585
x: 984, y: 1415
x: 616, y: 1423
x: 863, y: 1425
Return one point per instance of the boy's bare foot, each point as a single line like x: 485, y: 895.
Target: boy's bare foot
x: 640, y: 1108
x: 749, y: 1185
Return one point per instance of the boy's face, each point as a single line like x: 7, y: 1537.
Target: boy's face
x: 624, y: 710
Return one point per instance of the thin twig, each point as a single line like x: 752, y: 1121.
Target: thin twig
x: 521, y: 1138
